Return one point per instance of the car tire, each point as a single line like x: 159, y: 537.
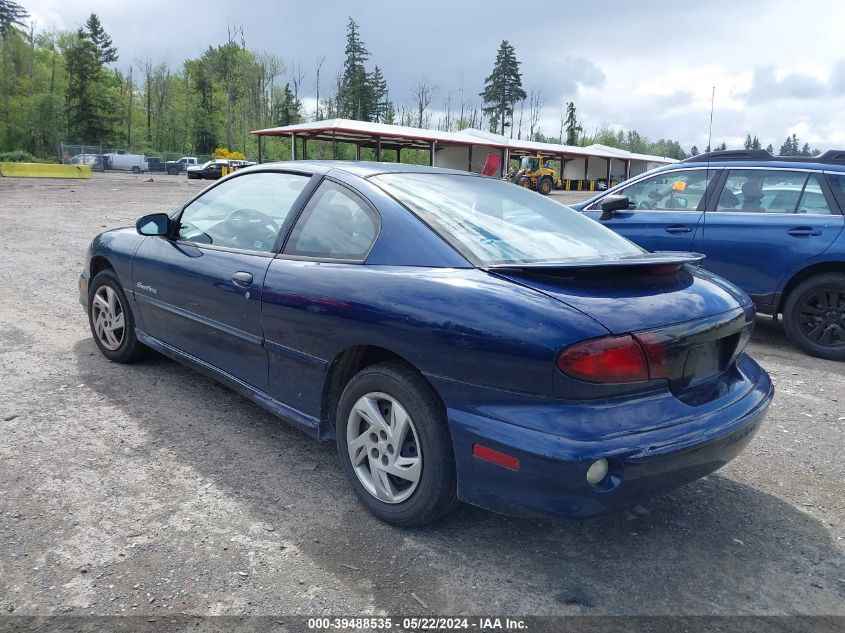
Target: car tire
x: 814, y: 316
x: 524, y: 182
x: 136, y: 170
x: 544, y: 186
x: 172, y: 171
x: 402, y: 402
x: 107, y: 305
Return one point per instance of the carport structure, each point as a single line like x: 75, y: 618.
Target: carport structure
x: 379, y: 137
x: 467, y: 149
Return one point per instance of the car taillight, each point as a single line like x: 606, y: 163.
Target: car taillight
x: 608, y: 359
x: 655, y: 352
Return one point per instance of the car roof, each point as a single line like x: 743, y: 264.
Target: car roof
x: 778, y: 164
x: 363, y: 169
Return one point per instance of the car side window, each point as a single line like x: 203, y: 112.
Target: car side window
x: 837, y: 184
x: 813, y: 200
x: 762, y: 191
x: 681, y: 190
x: 336, y: 224
x: 245, y: 212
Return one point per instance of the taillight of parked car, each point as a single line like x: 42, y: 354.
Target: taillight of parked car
x: 614, y: 359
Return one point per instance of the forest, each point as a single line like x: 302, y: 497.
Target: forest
x: 65, y: 86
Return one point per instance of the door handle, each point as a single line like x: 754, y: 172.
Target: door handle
x: 242, y: 279
x: 676, y: 229
x: 804, y: 231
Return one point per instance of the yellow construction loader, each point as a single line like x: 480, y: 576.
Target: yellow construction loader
x: 532, y: 174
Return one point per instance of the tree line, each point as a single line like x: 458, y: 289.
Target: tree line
x: 64, y: 86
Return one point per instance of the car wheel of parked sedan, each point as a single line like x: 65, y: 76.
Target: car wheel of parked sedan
x: 111, y: 319
x: 814, y: 316
x: 395, y: 447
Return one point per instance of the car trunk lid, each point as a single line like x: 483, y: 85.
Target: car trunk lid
x: 691, y: 325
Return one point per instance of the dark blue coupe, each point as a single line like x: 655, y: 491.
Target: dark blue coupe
x: 459, y: 337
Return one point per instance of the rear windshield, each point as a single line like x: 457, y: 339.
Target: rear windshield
x: 495, y: 222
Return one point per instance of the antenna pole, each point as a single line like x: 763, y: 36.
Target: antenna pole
x: 709, y: 151
x: 710, y: 132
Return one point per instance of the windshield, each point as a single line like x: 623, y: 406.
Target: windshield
x: 494, y: 222
x: 529, y: 163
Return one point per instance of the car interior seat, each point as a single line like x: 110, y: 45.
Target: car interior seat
x: 752, y: 194
x: 728, y: 200
x: 349, y: 233
x: 785, y: 201
x: 672, y: 203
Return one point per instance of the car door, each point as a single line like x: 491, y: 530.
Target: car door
x: 664, y: 209
x: 199, y: 290
x: 324, y: 255
x: 766, y: 224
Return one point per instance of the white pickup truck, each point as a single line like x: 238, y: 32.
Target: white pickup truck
x: 174, y: 167
x: 123, y: 161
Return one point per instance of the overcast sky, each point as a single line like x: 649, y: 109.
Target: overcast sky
x: 778, y: 65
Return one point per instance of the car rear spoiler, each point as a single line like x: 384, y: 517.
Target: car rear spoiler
x: 645, y: 260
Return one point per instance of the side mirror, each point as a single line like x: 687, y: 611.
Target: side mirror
x: 153, y: 224
x: 613, y: 203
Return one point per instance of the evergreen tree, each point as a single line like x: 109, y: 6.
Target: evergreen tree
x: 86, y: 106
x: 748, y: 141
x: 572, y: 125
x: 790, y: 147
x: 805, y: 151
x: 722, y: 147
x: 693, y: 151
x: 770, y: 149
x: 502, y: 88
x: 755, y: 143
x: 378, y: 87
x: 286, y: 110
x: 106, y: 51
x: 12, y: 16
x: 389, y: 113
x: 356, y: 97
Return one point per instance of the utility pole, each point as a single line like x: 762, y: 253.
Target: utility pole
x: 129, y: 118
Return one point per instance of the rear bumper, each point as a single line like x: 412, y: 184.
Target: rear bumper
x: 551, y: 480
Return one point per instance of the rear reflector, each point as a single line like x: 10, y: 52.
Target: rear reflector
x: 609, y: 359
x: 498, y: 458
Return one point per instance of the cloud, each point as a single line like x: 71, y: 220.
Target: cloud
x: 560, y: 78
x: 837, y: 78
x: 648, y: 66
x: 766, y: 87
x: 584, y: 72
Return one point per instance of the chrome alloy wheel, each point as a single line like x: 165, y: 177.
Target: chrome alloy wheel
x: 384, y: 447
x: 107, y: 317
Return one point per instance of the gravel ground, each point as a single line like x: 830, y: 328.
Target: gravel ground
x: 150, y: 489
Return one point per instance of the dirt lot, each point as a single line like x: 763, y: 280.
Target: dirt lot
x: 150, y: 489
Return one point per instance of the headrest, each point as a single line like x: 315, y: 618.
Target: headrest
x: 752, y: 189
